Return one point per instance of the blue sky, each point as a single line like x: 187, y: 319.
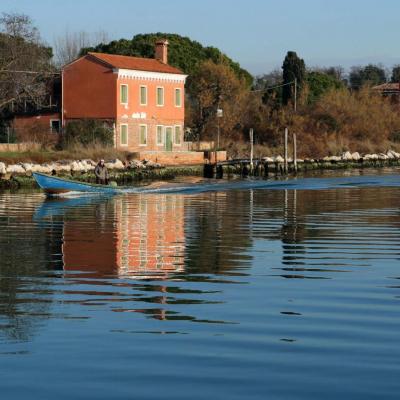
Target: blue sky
x: 256, y: 33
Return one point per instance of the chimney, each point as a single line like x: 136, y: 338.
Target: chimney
x: 161, y: 52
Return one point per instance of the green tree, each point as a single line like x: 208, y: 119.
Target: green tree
x: 395, y: 74
x: 319, y: 83
x: 369, y: 75
x: 293, y: 68
x: 183, y: 53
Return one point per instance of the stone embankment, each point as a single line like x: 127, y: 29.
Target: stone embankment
x: 71, y: 167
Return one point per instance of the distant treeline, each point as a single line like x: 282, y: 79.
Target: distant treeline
x: 331, y: 111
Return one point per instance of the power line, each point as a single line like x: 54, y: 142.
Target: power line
x: 272, y: 87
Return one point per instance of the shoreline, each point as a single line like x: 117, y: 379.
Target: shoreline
x: 130, y: 176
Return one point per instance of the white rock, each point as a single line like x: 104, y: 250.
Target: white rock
x: 347, y: 156
x: 383, y: 157
x: 268, y: 159
x: 356, y: 156
x: 392, y: 154
x: 115, y: 164
x: 279, y: 159
x: 15, y: 169
x: 27, y: 166
x: 3, y: 168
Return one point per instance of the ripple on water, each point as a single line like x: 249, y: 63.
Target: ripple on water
x: 231, y: 294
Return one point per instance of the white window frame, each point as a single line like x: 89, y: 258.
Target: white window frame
x: 51, y: 125
x: 174, y: 133
x: 180, y: 90
x: 140, y: 135
x: 162, y: 135
x: 140, y: 95
x: 163, y: 96
x: 127, y: 94
x: 120, y: 135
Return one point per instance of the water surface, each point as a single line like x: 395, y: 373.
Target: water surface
x: 207, y: 294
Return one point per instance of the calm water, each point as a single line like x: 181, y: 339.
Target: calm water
x: 232, y: 294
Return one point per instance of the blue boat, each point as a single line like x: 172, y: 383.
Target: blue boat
x: 54, y: 185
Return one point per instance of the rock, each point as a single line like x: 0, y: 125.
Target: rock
x: 27, y: 166
x: 371, y: 157
x: 279, y: 159
x: 347, y: 156
x: 268, y: 159
x: 15, y: 169
x: 356, y: 156
x: 78, y: 166
x: 151, y: 164
x: 392, y: 154
x: 3, y: 168
x: 135, y: 164
x: 382, y: 156
x: 89, y: 165
x: 115, y: 164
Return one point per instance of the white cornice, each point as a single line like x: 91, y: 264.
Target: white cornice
x: 149, y: 76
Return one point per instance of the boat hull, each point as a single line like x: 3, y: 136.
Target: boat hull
x: 53, y: 185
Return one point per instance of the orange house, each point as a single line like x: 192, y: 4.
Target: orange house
x: 142, y: 98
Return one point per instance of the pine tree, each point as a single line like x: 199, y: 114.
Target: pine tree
x: 293, y: 68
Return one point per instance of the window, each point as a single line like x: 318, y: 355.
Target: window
x: 124, y: 134
x: 55, y: 126
x: 177, y: 134
x: 143, y: 135
x: 160, y: 96
x: 124, y: 94
x: 178, y: 97
x: 160, y: 136
x: 143, y: 95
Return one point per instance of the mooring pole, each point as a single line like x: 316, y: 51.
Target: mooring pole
x: 286, y: 152
x: 251, y: 148
x: 294, y: 152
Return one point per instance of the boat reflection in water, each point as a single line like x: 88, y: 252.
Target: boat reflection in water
x: 137, y: 236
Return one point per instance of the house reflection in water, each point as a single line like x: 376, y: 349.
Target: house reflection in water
x: 138, y: 236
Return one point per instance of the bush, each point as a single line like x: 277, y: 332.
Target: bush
x: 87, y: 133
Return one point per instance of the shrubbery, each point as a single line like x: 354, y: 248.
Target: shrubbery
x: 86, y: 132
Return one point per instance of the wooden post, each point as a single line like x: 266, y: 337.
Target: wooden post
x: 286, y: 152
x: 251, y: 148
x: 294, y: 152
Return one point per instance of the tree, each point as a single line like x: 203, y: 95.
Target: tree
x: 320, y: 83
x: 293, y: 68
x: 215, y: 86
x: 68, y: 47
x: 395, y: 74
x: 368, y: 75
x: 25, y: 62
x: 183, y: 52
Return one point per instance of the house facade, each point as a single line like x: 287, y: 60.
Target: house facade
x: 142, y: 99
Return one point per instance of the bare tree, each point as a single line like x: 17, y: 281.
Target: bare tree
x: 24, y: 62
x: 67, y: 47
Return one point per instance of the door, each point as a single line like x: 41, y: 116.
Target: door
x: 168, y: 138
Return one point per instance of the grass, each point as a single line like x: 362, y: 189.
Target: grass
x: 94, y: 152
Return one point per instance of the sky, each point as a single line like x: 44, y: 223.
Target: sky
x: 256, y: 33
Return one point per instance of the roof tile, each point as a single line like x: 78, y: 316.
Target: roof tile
x: 135, y: 63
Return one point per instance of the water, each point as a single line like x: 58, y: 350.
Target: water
x: 233, y: 294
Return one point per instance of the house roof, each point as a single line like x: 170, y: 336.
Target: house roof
x: 135, y: 63
x: 387, y: 86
